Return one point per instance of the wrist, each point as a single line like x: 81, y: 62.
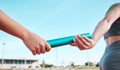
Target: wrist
x: 25, y: 35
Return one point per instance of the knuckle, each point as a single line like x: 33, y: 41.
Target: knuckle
x: 37, y: 47
x: 42, y: 44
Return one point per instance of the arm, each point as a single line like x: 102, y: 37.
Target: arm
x: 10, y: 26
x: 102, y: 27
x: 33, y: 42
x: 105, y: 24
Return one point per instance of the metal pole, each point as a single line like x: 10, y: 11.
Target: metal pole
x: 3, y: 54
x: 25, y: 63
x: 56, y: 56
x: 88, y: 59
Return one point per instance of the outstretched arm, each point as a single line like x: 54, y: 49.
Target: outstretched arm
x: 34, y: 43
x: 103, y: 26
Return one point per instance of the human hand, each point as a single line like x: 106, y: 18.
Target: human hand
x: 36, y: 44
x: 83, y: 43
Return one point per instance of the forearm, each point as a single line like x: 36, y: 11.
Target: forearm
x: 12, y: 27
x: 103, y: 26
x: 33, y: 42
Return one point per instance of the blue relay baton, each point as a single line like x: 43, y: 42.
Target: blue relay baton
x: 65, y: 40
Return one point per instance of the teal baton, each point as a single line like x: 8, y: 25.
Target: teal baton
x: 65, y: 40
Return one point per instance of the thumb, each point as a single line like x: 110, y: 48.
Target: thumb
x: 73, y: 44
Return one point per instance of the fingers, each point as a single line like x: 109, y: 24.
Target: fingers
x: 38, y: 51
x: 48, y: 48
x: 73, y: 44
x: 41, y: 49
x: 33, y: 52
x: 82, y: 42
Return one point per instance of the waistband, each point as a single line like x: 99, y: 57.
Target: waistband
x: 114, y: 43
x: 114, y: 46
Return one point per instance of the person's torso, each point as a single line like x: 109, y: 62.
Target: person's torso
x: 115, y: 27
x: 114, y: 30
x: 113, y: 33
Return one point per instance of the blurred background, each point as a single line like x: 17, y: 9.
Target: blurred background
x: 53, y: 19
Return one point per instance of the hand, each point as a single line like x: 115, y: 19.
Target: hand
x: 83, y: 43
x: 36, y: 44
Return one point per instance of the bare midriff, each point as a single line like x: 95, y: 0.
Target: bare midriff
x: 112, y: 39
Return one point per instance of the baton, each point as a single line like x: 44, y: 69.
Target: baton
x: 65, y: 40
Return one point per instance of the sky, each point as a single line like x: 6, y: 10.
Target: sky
x: 52, y: 19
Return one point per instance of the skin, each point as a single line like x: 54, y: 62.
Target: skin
x: 33, y: 42
x: 103, y: 26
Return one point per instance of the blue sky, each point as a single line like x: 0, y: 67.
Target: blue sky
x: 52, y: 19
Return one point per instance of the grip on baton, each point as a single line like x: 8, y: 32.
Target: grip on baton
x: 65, y: 40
